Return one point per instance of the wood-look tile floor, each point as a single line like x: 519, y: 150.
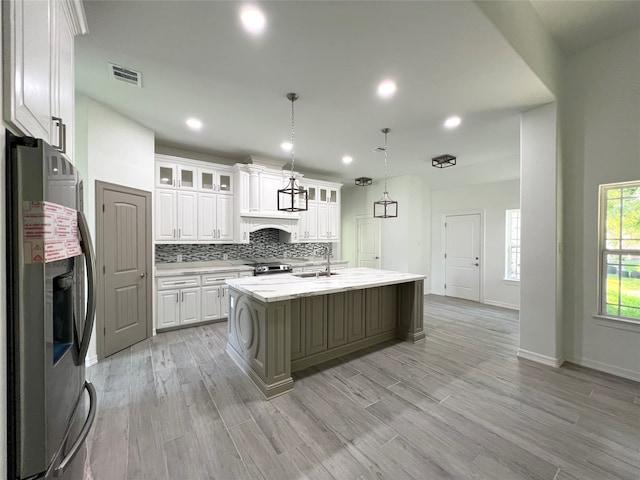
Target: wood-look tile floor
x: 459, y: 405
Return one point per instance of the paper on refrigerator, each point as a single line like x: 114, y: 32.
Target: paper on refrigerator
x: 50, y: 232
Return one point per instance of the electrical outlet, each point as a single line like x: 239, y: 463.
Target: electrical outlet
x: 225, y: 256
x: 179, y: 257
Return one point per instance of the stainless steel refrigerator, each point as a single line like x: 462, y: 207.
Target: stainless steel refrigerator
x: 50, y: 267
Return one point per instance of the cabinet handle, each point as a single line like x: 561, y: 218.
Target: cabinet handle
x: 218, y: 293
x: 179, y: 183
x: 218, y: 234
x: 176, y: 298
x: 174, y: 233
x: 64, y: 138
x: 182, y: 298
x: 223, y: 293
x: 60, y: 125
x: 179, y: 233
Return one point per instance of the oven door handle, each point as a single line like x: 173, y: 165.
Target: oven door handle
x: 87, y: 249
x: 88, y: 423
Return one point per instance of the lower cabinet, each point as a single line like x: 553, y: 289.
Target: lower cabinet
x: 178, y: 301
x: 186, y: 300
x: 308, y: 326
x: 326, y: 322
x: 381, y: 306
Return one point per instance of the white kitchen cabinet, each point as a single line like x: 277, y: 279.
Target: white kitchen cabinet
x: 210, y: 303
x: 212, y: 180
x: 39, y: 76
x: 190, y: 305
x: 215, y: 295
x: 166, y: 214
x: 308, y: 221
x: 176, y: 214
x: 171, y: 175
x: 187, y: 216
x: 178, y: 301
x: 168, y: 311
x: 215, y: 217
x: 321, y: 221
x: 333, y: 222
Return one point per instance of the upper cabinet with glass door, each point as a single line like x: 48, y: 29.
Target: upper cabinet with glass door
x: 170, y: 175
x: 215, y: 180
x: 328, y: 195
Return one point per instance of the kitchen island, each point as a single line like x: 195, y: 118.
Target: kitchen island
x: 282, y: 323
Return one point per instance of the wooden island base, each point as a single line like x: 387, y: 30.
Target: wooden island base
x: 270, y: 340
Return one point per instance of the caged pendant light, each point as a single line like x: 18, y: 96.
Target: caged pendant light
x: 385, y: 207
x: 292, y: 198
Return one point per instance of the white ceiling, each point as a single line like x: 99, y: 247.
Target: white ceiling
x: 196, y: 60
x: 577, y: 25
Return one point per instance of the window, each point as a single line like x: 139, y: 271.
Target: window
x: 620, y: 250
x: 512, y: 259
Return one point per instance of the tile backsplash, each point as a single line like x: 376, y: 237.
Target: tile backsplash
x: 263, y: 243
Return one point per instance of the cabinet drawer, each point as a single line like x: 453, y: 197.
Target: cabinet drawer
x: 216, y: 278
x: 178, y: 282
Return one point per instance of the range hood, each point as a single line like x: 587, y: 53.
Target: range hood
x: 257, y: 191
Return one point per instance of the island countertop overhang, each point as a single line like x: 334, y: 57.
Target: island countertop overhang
x: 275, y: 288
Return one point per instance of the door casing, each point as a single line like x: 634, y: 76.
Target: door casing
x: 100, y: 306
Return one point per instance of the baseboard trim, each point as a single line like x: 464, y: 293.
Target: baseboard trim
x: 538, y: 358
x: 503, y: 305
x: 605, y: 367
x: 91, y: 360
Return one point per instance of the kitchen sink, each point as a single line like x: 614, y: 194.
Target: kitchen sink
x: 311, y: 274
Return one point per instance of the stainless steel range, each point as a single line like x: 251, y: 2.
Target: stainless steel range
x: 266, y: 266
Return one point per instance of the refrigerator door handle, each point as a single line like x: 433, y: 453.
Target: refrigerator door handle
x: 87, y: 249
x: 88, y: 423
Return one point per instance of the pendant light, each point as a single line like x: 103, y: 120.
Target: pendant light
x: 292, y: 198
x: 385, y: 207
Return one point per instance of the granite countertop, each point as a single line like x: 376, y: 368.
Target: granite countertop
x: 195, y: 268
x: 274, y: 288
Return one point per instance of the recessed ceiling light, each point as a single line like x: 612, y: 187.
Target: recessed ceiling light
x: 387, y: 88
x: 452, y: 122
x: 253, y: 20
x: 286, y: 146
x: 347, y: 159
x: 194, y: 123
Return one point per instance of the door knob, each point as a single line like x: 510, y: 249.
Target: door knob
x: 476, y: 264
x: 142, y: 275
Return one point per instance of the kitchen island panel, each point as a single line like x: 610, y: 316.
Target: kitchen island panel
x: 270, y: 339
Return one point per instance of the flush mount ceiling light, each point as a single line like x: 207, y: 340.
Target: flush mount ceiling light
x: 363, y: 181
x: 387, y: 89
x: 452, y: 122
x: 286, y: 146
x: 443, y: 161
x: 193, y: 123
x: 385, y: 207
x: 347, y: 159
x: 292, y: 198
x: 253, y: 20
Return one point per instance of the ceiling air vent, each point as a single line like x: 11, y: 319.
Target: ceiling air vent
x: 124, y: 74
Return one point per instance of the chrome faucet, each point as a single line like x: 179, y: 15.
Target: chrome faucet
x: 327, y: 252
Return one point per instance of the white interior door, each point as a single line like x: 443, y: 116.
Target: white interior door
x: 368, y: 242
x: 462, y: 256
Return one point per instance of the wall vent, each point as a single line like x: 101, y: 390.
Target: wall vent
x: 124, y: 74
